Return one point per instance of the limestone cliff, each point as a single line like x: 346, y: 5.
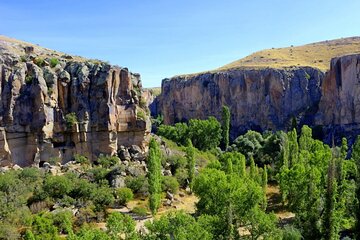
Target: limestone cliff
x: 54, y: 105
x: 268, y: 98
x: 339, y: 108
x: 258, y: 99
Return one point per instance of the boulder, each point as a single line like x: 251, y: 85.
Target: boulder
x: 124, y: 155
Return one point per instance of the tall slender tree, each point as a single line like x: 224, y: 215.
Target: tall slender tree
x: 330, y: 219
x: 154, y: 175
x: 190, y: 157
x: 356, y: 157
x: 294, y: 147
x: 225, y: 121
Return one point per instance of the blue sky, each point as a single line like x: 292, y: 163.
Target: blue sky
x: 162, y: 38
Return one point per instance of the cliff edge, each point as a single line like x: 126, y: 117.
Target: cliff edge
x: 53, y: 105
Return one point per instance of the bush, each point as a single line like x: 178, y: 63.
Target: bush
x: 70, y: 119
x: 140, y: 211
x: 97, y: 174
x: 182, y: 176
x: 107, y: 161
x: 57, y: 186
x: 204, y: 134
x: 291, y: 233
x: 39, y: 62
x: 137, y: 184
x: 140, y: 114
x: 54, y: 62
x: 29, y: 79
x: 169, y: 184
x: 124, y: 195
x: 81, y: 159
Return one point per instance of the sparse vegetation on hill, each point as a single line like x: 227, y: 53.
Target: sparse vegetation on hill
x: 315, y: 55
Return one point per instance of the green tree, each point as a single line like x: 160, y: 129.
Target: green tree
x: 43, y: 227
x: 225, y: 121
x: 124, y: 195
x: 330, y: 219
x: 118, y: 224
x: 176, y: 225
x: 253, y: 173
x: 356, y: 158
x: 205, y: 134
x: 293, y: 146
x: 190, y: 157
x: 57, y: 186
x: 305, y: 140
x: 154, y: 175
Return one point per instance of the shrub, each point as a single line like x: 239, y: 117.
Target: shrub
x: 182, y: 176
x: 81, y: 159
x: 140, y: 211
x: 102, y: 197
x: 124, y: 195
x: 138, y: 184
x: 54, y: 62
x: 29, y: 79
x: 170, y: 184
x: 107, y: 161
x: 291, y: 233
x: 97, y: 174
x: 70, y: 119
x: 39, y: 62
x: 141, y: 115
x: 23, y: 59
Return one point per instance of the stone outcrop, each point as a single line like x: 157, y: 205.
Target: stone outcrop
x: 53, y: 106
x: 339, y: 108
x: 268, y: 99
x: 258, y: 99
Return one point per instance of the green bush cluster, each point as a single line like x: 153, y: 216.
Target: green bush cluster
x: 70, y: 119
x: 204, y: 134
x: 54, y: 62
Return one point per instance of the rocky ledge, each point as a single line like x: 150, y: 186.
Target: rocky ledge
x: 53, y: 106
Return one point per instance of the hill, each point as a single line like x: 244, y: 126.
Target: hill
x: 316, y: 55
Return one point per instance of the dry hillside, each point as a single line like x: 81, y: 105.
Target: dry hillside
x: 315, y: 55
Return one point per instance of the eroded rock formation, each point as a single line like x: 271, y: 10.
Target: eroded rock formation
x: 268, y: 99
x: 258, y: 99
x: 53, y: 106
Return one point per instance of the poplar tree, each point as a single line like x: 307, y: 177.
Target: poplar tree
x: 154, y: 175
x: 293, y: 147
x: 190, y: 157
x: 330, y: 219
x: 225, y: 120
x: 356, y: 157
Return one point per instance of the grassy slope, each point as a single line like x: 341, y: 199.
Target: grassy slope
x: 316, y: 55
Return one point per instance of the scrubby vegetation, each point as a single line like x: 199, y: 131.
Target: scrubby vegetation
x: 318, y: 186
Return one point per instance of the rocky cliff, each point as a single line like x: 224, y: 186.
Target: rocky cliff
x: 269, y: 98
x: 339, y: 108
x: 258, y: 99
x: 53, y: 106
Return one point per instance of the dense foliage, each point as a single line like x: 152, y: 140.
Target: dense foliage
x: 236, y: 189
x: 204, y: 134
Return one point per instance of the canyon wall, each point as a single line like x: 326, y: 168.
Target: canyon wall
x: 269, y: 99
x: 52, y: 107
x: 264, y: 99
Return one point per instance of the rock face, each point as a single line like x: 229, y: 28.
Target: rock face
x: 258, y: 99
x: 268, y: 99
x: 339, y: 108
x: 54, y: 106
